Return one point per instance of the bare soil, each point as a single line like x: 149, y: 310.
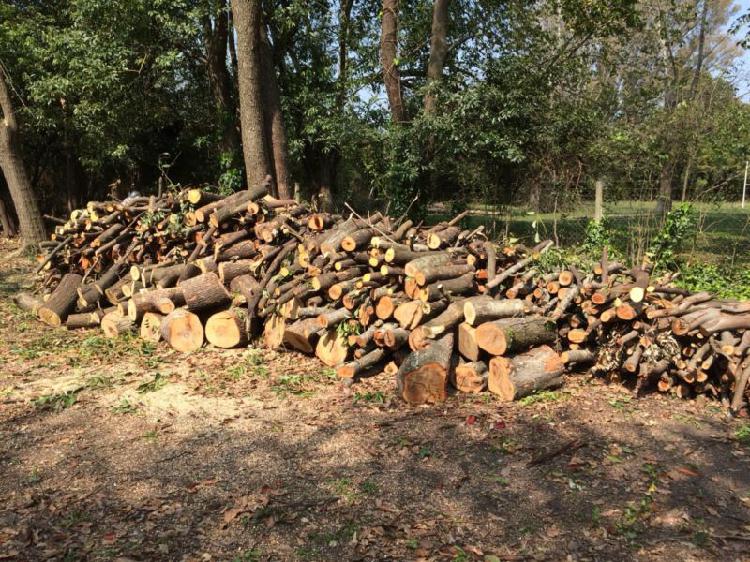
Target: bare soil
x: 117, y: 450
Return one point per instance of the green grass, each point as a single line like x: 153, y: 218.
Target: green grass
x: 724, y: 236
x: 742, y: 434
x: 543, y: 396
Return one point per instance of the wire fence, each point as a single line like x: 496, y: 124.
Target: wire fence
x: 721, y: 237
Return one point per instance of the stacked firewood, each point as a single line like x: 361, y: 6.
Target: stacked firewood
x: 429, y: 306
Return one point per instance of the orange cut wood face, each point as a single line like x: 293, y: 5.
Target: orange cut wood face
x: 425, y: 385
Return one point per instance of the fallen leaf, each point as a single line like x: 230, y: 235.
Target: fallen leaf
x: 471, y: 420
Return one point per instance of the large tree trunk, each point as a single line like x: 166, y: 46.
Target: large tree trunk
x: 664, y: 199
x: 6, y: 221
x: 247, y: 23
x: 388, y: 59
x: 216, y: 35
x: 345, y: 13
x: 11, y: 163
x: 438, y: 52
x: 274, y: 120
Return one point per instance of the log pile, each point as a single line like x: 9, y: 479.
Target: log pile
x: 431, y: 307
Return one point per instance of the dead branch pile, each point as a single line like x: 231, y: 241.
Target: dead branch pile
x: 428, y: 306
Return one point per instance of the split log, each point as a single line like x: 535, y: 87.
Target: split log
x: 332, y: 348
x: 467, y: 342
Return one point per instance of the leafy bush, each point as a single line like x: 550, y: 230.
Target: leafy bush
x: 723, y: 282
x: 598, y: 236
x: 679, y: 225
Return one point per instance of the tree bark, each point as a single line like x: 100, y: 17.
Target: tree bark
x: 664, y: 199
x: 438, y: 52
x: 216, y: 36
x: 388, y: 60
x: 11, y: 163
x: 247, y: 23
x: 6, y: 220
x: 274, y: 120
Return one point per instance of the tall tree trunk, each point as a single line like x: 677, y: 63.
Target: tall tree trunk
x: 6, y: 221
x: 686, y: 177
x: 230, y: 42
x: 389, y: 60
x: 435, y: 64
x: 438, y: 52
x: 216, y: 36
x: 700, y: 55
x: 247, y: 22
x: 274, y: 121
x: 664, y: 199
x: 345, y: 13
x: 27, y: 207
x: 599, y: 199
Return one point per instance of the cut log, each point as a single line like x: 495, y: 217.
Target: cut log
x: 151, y: 327
x: 514, y: 334
x: 62, y: 301
x: 470, y: 377
x: 467, y: 342
x: 115, y: 324
x: 478, y: 310
x: 27, y: 302
x: 303, y: 334
x: 182, y: 330
x: 82, y: 320
x: 227, y: 329
x: 423, y: 376
x: 513, y: 378
x: 204, y: 292
x: 357, y: 367
x: 332, y: 348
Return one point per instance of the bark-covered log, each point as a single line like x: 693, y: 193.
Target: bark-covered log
x: 514, y: 334
x: 513, y: 378
x: 115, y: 324
x: 470, y: 377
x: 227, y: 329
x: 478, y: 310
x: 62, y: 301
x: 423, y: 376
x: 182, y: 330
x: 204, y: 292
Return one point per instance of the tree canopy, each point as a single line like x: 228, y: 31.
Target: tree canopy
x: 503, y: 100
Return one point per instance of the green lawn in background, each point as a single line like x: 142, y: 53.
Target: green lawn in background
x: 723, y: 237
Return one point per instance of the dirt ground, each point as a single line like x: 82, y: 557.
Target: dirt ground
x: 117, y: 450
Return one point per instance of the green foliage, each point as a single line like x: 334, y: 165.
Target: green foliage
x: 742, y: 434
x: 57, y: 401
x: 598, y: 237
x: 541, y: 397
x: 680, y: 225
x: 724, y: 282
x: 156, y: 383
